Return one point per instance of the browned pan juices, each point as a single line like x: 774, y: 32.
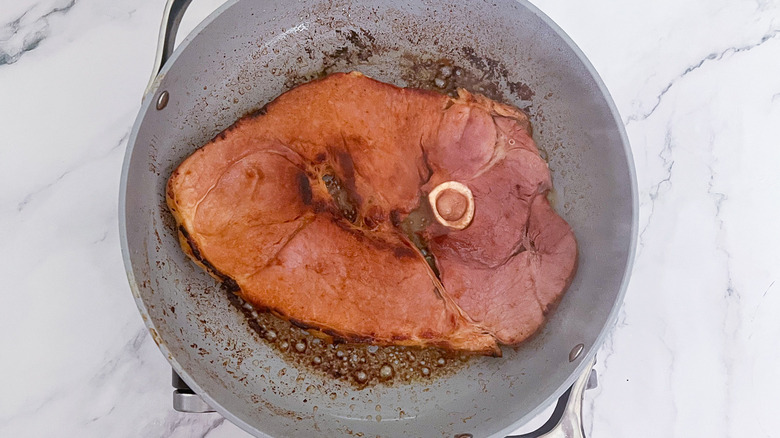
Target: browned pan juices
x: 477, y: 74
x: 360, y: 365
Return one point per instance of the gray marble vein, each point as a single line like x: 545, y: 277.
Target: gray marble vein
x: 26, y: 32
x: 216, y: 424
x: 658, y: 188
x: 711, y: 57
x: 719, y: 199
x: 47, y: 186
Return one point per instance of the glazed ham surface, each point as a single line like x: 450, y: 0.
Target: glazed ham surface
x: 317, y: 209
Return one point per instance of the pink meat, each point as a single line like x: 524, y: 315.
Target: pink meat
x: 510, y: 267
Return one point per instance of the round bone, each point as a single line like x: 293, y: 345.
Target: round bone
x: 452, y: 204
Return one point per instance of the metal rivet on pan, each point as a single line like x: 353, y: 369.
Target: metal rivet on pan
x: 464, y: 435
x: 162, y: 100
x: 575, y: 352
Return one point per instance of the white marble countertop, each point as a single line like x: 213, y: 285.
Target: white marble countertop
x: 694, y: 350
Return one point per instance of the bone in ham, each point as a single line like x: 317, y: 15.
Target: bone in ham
x: 373, y: 213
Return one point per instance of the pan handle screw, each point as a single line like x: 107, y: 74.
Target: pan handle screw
x: 162, y: 100
x: 575, y: 352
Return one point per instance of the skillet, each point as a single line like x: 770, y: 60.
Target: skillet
x: 250, y: 51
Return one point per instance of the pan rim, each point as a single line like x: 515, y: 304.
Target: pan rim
x: 148, y: 104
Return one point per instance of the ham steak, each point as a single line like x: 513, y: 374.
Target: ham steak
x: 320, y: 208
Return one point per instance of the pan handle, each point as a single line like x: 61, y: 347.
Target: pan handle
x: 566, y: 420
x: 185, y: 399
x: 172, y: 15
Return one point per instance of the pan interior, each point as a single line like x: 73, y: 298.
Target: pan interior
x: 250, y: 52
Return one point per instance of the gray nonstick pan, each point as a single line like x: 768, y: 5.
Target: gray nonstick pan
x: 250, y: 51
